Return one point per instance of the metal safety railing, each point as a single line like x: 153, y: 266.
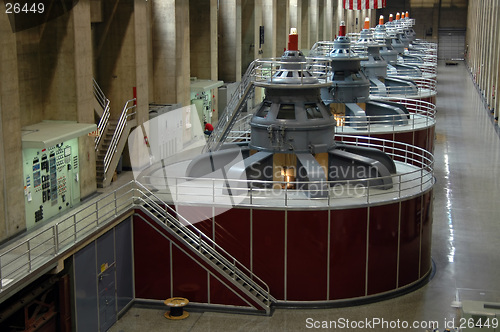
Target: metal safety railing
x: 232, y: 110
x: 413, y: 71
x: 30, y: 253
x: 322, y: 48
x: 199, y: 241
x: 414, y: 176
x: 103, y: 121
x: 101, y: 126
x: 99, y: 95
x: 120, y: 126
x: 426, y: 66
x: 240, y: 131
x: 278, y: 71
x: 426, y: 46
x: 426, y: 87
x: 421, y: 115
x: 23, y: 258
x: 424, y: 55
x: 426, y: 84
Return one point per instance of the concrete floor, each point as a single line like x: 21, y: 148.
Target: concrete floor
x: 465, y: 237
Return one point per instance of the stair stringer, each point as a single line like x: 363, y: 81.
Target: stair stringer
x: 130, y: 124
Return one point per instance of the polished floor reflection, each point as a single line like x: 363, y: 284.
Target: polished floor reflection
x: 465, y: 237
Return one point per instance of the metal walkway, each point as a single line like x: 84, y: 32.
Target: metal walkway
x: 36, y: 253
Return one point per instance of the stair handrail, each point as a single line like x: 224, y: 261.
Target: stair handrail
x: 101, y: 126
x: 104, y: 103
x: 206, y: 242
x: 122, y: 121
x: 99, y: 94
x: 241, y: 129
x: 231, y: 110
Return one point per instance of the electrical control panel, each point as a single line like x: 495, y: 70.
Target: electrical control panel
x: 203, y: 102
x: 51, y: 181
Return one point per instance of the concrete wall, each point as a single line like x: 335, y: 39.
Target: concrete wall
x: 483, y: 51
x: 46, y: 75
x: 11, y: 174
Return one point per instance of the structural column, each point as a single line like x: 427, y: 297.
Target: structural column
x: 230, y: 40
x: 314, y: 25
x: 171, y: 56
x: 304, y: 23
x: 12, y: 216
x: 282, y: 26
x: 496, y: 91
x: 114, y: 52
x: 258, y: 51
x: 203, y: 39
x: 269, y: 18
x: 258, y: 22
x: 83, y: 102
x: 339, y: 16
x: 141, y: 31
x: 249, y: 33
x: 295, y: 11
x: 328, y: 27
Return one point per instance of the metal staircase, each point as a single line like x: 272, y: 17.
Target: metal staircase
x: 112, y: 143
x: 232, y: 111
x: 112, y: 135
x: 254, y: 289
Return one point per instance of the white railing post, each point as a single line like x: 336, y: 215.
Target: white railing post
x: 368, y: 193
x: 251, y: 194
x: 286, y: 194
x: 97, y: 213
x: 29, y: 256
x: 114, y: 199
x: 56, y: 240
x: 400, y: 180
x: 74, y: 227
x: 199, y: 241
x: 421, y: 179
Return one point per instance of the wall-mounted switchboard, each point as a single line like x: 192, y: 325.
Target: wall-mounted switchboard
x: 51, y: 180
